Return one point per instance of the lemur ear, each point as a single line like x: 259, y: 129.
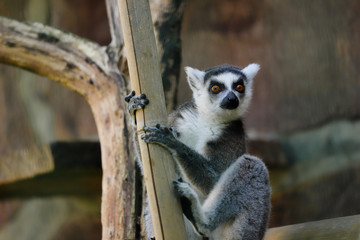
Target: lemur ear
x: 195, y: 78
x: 251, y: 70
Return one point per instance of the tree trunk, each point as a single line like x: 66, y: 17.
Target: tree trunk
x: 167, y: 17
x: 91, y: 71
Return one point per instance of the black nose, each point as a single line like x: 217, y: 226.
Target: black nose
x: 230, y: 101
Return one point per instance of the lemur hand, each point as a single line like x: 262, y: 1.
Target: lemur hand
x: 136, y: 102
x: 160, y: 134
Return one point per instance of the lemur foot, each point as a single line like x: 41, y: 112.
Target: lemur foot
x: 188, y: 197
x: 184, y: 189
x: 160, y: 134
x: 136, y: 102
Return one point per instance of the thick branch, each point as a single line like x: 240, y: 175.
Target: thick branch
x: 112, y: 8
x: 90, y: 70
x: 63, y: 57
x: 167, y: 20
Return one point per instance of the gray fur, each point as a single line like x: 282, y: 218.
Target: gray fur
x: 226, y: 191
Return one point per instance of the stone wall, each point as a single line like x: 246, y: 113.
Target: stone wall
x: 304, y: 117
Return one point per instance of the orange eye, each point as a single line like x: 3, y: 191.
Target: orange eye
x: 215, y: 89
x: 239, y: 88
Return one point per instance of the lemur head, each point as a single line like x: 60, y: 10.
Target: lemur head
x: 224, y: 92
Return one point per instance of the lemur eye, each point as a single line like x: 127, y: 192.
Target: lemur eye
x: 239, y: 88
x: 215, y: 89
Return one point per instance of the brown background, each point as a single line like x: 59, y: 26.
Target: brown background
x: 303, y: 120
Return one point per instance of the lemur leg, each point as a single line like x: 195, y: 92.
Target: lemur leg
x: 190, y: 203
x: 242, y: 194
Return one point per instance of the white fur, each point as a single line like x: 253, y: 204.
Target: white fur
x: 197, y: 127
x: 214, y: 205
x: 194, y: 77
x: 228, y: 78
x: 197, y: 130
x: 211, y: 110
x: 251, y: 70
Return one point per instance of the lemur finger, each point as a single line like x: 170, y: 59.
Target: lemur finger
x: 156, y: 128
x: 161, y: 127
x: 184, y: 189
x: 129, y: 96
x: 149, y: 138
x: 179, y: 187
x: 149, y: 129
x: 175, y: 184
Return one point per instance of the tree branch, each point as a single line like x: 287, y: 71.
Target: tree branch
x: 92, y: 71
x: 112, y: 8
x: 63, y: 57
x: 167, y: 18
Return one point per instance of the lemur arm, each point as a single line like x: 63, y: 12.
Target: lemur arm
x: 196, y: 167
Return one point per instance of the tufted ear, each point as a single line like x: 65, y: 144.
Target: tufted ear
x: 195, y: 78
x: 251, y: 70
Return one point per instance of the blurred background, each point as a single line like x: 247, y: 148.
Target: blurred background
x: 304, y: 120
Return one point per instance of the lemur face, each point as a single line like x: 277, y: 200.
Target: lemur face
x: 223, y: 91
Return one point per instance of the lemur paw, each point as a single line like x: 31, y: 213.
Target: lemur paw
x: 136, y: 102
x: 159, y: 134
x: 184, y: 189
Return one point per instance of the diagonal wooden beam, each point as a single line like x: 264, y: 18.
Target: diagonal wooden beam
x: 145, y: 78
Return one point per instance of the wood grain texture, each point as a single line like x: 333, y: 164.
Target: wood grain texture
x: 145, y: 78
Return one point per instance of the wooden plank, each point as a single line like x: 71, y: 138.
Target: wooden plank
x: 145, y: 77
x: 344, y: 228
x: 76, y: 170
x: 75, y: 182
x: 25, y: 163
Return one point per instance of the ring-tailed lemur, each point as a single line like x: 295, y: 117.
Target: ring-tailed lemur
x: 225, y: 192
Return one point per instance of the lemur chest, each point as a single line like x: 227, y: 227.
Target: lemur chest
x: 196, y: 133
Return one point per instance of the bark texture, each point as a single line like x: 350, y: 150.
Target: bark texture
x: 91, y: 71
